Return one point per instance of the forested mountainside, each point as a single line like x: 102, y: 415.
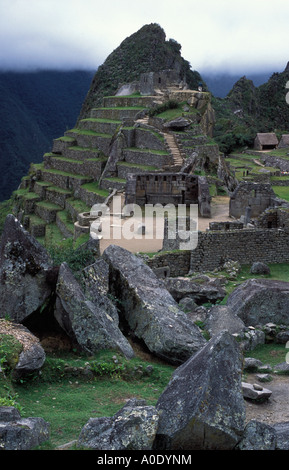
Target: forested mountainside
x: 248, y: 109
x: 36, y: 107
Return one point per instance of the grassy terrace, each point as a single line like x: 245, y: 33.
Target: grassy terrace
x: 78, y: 205
x: 94, y: 188
x: 89, y: 133
x: 48, y: 205
x: 64, y: 173
x: 139, y: 166
x: 102, y: 120
x: 58, y: 190
x: 122, y: 108
x: 65, y: 159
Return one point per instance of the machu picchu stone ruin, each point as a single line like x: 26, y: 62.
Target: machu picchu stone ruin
x: 157, y: 343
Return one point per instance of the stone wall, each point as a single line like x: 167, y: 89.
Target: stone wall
x: 257, y: 196
x: 245, y: 246
x: 170, y: 264
x: 168, y: 188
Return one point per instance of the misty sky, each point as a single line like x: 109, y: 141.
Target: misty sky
x: 232, y: 36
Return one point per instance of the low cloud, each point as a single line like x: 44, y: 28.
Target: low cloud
x: 68, y: 34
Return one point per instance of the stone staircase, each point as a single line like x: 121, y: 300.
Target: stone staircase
x: 178, y: 155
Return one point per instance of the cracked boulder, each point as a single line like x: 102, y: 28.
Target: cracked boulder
x: 202, y: 407
x: 90, y: 325
x: 26, y: 272
x: 150, y: 311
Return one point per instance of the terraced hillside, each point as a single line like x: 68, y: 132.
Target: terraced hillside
x: 91, y: 162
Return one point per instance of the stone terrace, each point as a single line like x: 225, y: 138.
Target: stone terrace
x: 94, y: 159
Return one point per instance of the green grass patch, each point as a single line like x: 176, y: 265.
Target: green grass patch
x: 270, y: 353
x: 102, y: 121
x: 115, y: 179
x: 66, y: 174
x: 48, y: 205
x: 65, y: 218
x: 66, y: 138
x: 59, y: 190
x: 68, y: 401
x: 94, y: 188
x: 78, y: 205
x: 136, y: 165
x: 281, y: 191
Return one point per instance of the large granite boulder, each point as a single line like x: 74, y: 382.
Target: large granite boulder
x: 26, y: 280
x: 132, y: 428
x: 261, y: 301
x: 200, y: 288
x: 18, y: 433
x: 149, y: 309
x: 87, y: 323
x: 220, y: 318
x: 202, y: 407
x: 26, y: 354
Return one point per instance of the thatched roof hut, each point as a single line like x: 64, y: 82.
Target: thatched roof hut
x: 266, y: 141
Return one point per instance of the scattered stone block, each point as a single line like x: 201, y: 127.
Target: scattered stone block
x: 255, y: 392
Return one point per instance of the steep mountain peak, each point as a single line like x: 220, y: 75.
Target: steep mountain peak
x: 147, y: 50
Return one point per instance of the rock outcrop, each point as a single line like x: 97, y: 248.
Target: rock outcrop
x: 220, y: 318
x: 260, y: 301
x: 90, y: 325
x: 200, y: 288
x: 149, y: 310
x: 26, y: 358
x: 258, y: 436
x: 132, y: 428
x: 26, y: 272
x: 202, y: 408
x: 18, y: 433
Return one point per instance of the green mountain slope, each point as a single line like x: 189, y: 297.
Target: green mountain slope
x: 147, y: 50
x: 247, y: 110
x: 35, y: 108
